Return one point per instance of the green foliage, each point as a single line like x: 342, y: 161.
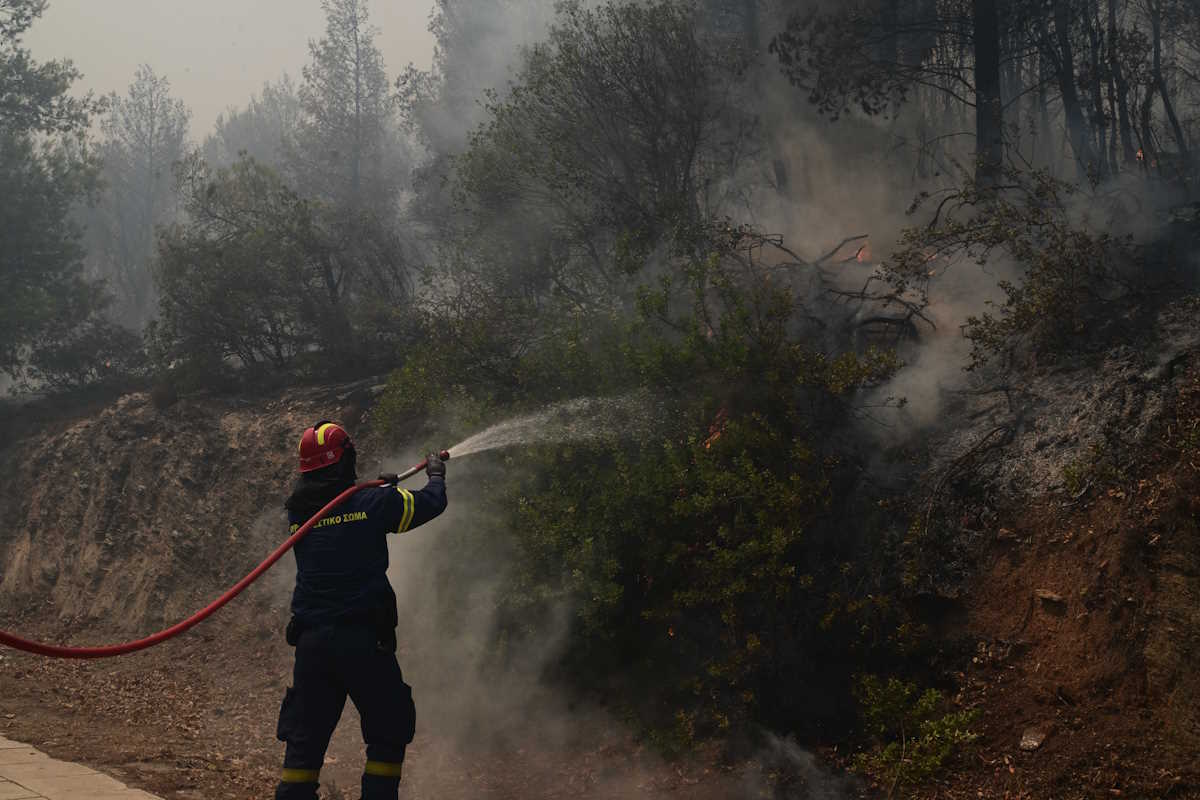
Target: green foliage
x: 45, y: 169
x: 243, y: 278
x: 40, y: 256
x: 724, y: 570
x: 613, y: 129
x: 838, y: 56
x: 33, y: 96
x: 914, y: 735
x: 95, y: 352
x: 707, y: 561
x: 259, y: 275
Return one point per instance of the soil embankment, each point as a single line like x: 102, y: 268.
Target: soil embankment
x: 1080, y: 614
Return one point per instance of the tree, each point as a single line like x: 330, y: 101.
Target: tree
x: 242, y: 279
x: 619, y: 129
x: 478, y: 44
x: 45, y: 169
x: 1103, y: 77
x: 263, y: 130
x: 145, y: 133
x: 1157, y: 11
x: 989, y: 104
x: 347, y: 150
x: 871, y: 57
x: 258, y: 275
x: 474, y: 54
x: 33, y: 96
x: 1064, y: 57
x: 349, y: 158
x: 701, y: 597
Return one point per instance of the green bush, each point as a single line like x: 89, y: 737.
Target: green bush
x: 913, y: 734
x: 712, y: 578
x: 94, y: 352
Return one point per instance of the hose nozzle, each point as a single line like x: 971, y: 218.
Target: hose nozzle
x: 392, y: 477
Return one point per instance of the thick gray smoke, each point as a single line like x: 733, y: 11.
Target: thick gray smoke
x: 489, y: 727
x: 480, y: 45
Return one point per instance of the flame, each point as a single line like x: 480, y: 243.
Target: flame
x: 716, y: 428
x: 864, y: 254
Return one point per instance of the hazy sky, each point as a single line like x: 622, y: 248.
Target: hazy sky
x: 216, y: 53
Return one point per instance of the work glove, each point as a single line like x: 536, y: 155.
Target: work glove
x: 435, y: 467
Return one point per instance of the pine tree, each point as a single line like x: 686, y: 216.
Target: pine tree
x: 145, y: 134
x: 347, y: 142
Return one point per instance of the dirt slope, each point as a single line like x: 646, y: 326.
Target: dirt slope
x: 126, y: 517
x: 1081, y: 613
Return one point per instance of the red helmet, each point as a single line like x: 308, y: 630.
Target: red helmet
x: 322, y: 446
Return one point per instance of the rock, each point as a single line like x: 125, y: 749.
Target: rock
x: 1032, y: 739
x: 1048, y: 596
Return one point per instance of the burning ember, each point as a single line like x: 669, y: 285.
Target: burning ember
x: 864, y: 254
x: 716, y: 428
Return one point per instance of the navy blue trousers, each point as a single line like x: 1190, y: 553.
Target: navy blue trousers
x: 331, y: 664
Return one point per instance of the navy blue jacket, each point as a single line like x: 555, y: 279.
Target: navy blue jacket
x: 341, y: 565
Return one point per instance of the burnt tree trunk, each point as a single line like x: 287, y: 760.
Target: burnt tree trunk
x: 1121, y: 85
x: 1099, y: 117
x: 1160, y: 82
x: 1149, y: 147
x: 1077, y: 128
x: 989, y: 105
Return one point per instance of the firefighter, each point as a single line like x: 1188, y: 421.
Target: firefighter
x: 343, y: 623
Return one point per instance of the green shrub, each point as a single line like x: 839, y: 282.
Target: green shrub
x: 913, y: 734
x: 709, y: 569
x: 95, y: 352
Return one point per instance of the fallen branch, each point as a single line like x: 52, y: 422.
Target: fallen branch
x: 835, y: 250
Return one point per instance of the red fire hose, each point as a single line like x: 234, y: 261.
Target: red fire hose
x: 60, y: 651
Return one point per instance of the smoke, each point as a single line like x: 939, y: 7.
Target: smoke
x: 856, y: 177
x: 914, y: 401
x: 449, y: 582
x: 489, y: 723
x: 479, y: 44
x: 785, y: 771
